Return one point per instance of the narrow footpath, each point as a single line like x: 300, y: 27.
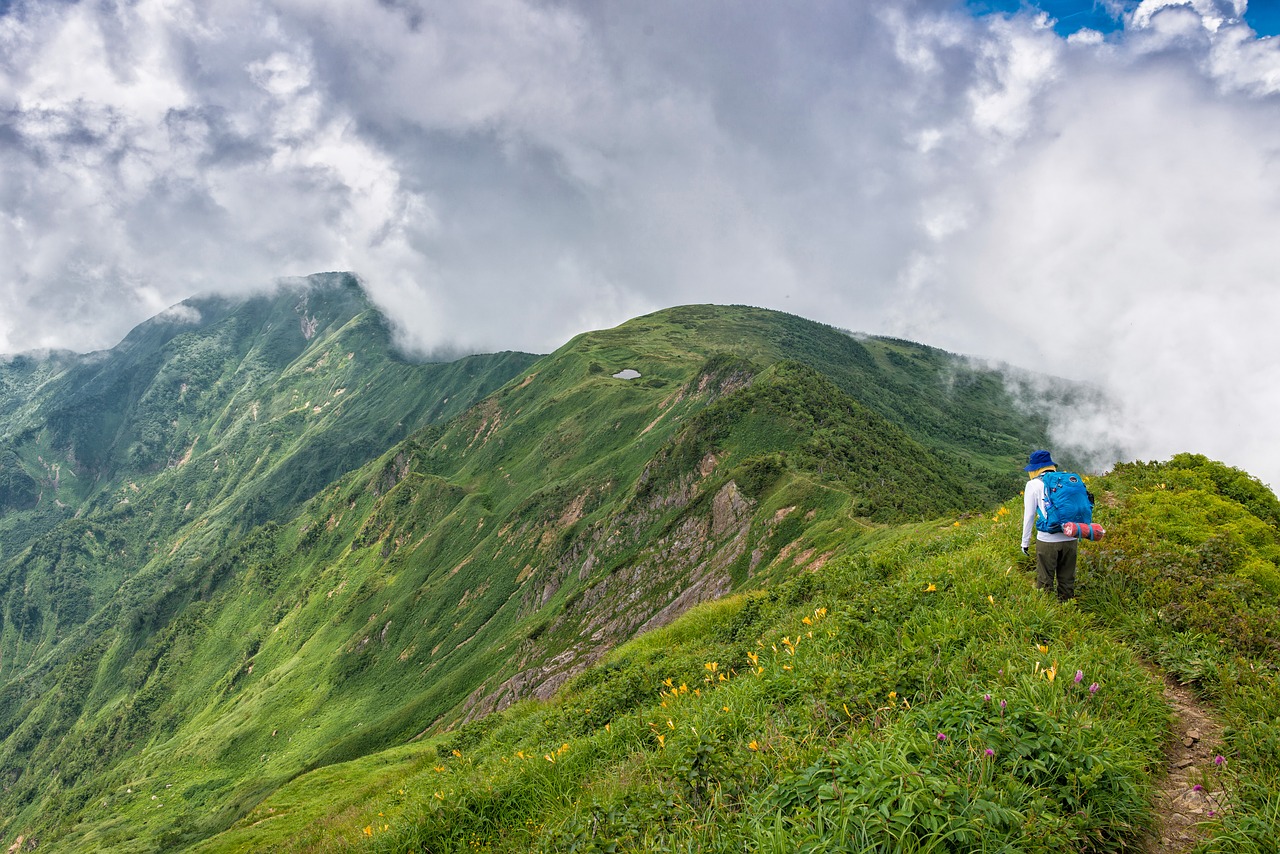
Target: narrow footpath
x: 1186, y: 794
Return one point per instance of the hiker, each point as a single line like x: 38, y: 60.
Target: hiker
x: 1055, y: 552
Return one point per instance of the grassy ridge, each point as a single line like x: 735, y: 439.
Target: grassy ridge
x: 152, y: 463
x: 490, y: 557
x: 918, y: 695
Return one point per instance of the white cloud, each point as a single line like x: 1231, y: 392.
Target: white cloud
x: 506, y: 173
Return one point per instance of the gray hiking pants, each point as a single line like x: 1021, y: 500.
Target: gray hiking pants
x: 1057, y: 562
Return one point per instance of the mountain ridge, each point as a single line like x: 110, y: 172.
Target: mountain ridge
x: 491, y: 553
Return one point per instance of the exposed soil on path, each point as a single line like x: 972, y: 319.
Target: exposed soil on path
x: 1179, y: 804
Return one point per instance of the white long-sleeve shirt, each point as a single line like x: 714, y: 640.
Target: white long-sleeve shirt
x: 1033, y: 497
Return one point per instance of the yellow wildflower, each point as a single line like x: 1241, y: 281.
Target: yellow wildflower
x: 1044, y: 649
x: 807, y: 621
x: 457, y: 753
x: 439, y: 768
x: 753, y: 744
x: 931, y: 588
x: 368, y: 830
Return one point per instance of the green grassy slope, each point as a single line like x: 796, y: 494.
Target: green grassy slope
x: 134, y: 465
x: 488, y: 558
x: 201, y: 423
x: 914, y: 695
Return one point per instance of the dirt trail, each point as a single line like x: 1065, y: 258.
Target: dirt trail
x: 1179, y: 804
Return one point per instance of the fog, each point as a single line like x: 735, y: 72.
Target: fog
x: 503, y: 174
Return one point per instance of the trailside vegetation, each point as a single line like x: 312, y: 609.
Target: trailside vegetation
x: 917, y: 695
x: 282, y: 588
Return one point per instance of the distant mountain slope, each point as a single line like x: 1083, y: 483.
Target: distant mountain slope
x: 214, y: 416
x: 961, y: 412
x: 488, y: 557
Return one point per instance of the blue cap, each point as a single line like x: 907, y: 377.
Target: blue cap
x: 1040, y: 460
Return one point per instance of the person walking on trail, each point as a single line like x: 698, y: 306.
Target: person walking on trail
x: 1055, y: 552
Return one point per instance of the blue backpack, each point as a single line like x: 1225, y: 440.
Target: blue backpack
x: 1065, y: 500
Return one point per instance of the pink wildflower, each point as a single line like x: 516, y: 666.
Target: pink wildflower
x: 942, y: 737
x: 1093, y: 689
x: 1079, y: 676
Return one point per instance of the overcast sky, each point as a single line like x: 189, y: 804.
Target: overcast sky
x: 1093, y: 193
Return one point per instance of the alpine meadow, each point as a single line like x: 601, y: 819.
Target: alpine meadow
x: 717, y: 579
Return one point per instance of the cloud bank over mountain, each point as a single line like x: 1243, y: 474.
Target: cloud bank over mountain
x: 507, y: 173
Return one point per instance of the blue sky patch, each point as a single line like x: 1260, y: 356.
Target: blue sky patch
x: 1073, y: 15
x: 1069, y: 15
x: 1264, y: 17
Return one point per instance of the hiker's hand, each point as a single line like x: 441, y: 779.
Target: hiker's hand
x: 1026, y: 551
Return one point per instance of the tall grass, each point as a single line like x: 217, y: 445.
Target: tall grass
x: 916, y: 696
x: 920, y: 697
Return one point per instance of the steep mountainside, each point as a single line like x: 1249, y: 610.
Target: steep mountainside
x: 204, y: 421
x: 174, y: 617
x: 917, y: 694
